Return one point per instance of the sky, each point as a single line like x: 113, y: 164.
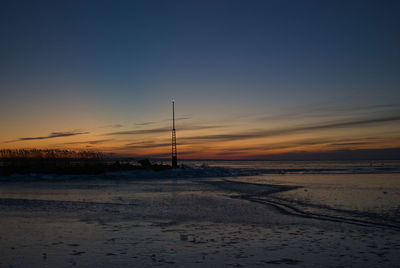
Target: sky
x: 251, y: 79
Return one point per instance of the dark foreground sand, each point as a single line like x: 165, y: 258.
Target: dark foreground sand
x: 174, y: 223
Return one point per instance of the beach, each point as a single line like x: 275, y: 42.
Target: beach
x: 262, y: 220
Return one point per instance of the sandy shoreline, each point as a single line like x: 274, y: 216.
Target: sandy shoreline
x: 174, y: 223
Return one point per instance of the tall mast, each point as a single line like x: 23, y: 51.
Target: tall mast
x: 173, y: 114
x: 174, y: 153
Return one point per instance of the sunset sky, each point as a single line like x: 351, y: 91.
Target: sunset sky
x: 251, y: 79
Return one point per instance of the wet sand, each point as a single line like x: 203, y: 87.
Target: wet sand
x: 176, y: 223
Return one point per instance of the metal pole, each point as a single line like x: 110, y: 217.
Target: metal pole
x: 174, y: 152
x: 173, y: 114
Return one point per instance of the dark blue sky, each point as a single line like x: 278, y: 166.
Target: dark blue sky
x: 123, y: 60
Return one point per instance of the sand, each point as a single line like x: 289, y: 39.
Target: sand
x: 175, y: 223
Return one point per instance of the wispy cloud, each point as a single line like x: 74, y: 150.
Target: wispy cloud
x: 296, y: 147
x: 53, y: 135
x: 342, y: 154
x: 162, y: 130
x: 141, y: 131
x: 147, y: 145
x: 296, y: 129
x: 327, y: 142
x: 340, y: 144
x: 145, y: 123
x: 92, y: 142
x: 151, y: 144
x: 328, y: 110
x: 113, y: 126
x: 181, y: 118
x: 185, y: 117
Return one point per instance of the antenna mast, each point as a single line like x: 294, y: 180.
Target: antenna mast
x: 174, y: 153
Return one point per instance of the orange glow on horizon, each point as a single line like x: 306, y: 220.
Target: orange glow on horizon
x: 221, y: 139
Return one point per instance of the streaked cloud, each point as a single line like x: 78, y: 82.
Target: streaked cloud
x: 185, y: 117
x: 326, y: 142
x: 114, y: 126
x: 152, y: 144
x: 53, y: 135
x: 140, y: 131
x: 180, y: 118
x: 145, y: 123
x: 92, y: 142
x: 296, y: 129
x: 342, y: 154
x: 329, y: 110
x: 163, y: 130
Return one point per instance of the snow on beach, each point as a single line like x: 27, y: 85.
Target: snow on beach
x: 203, y: 215
x: 197, y: 169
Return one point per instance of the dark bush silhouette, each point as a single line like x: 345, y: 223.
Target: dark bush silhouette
x: 64, y: 162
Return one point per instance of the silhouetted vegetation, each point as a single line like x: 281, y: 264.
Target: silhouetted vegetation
x: 49, y: 154
x: 65, y: 162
